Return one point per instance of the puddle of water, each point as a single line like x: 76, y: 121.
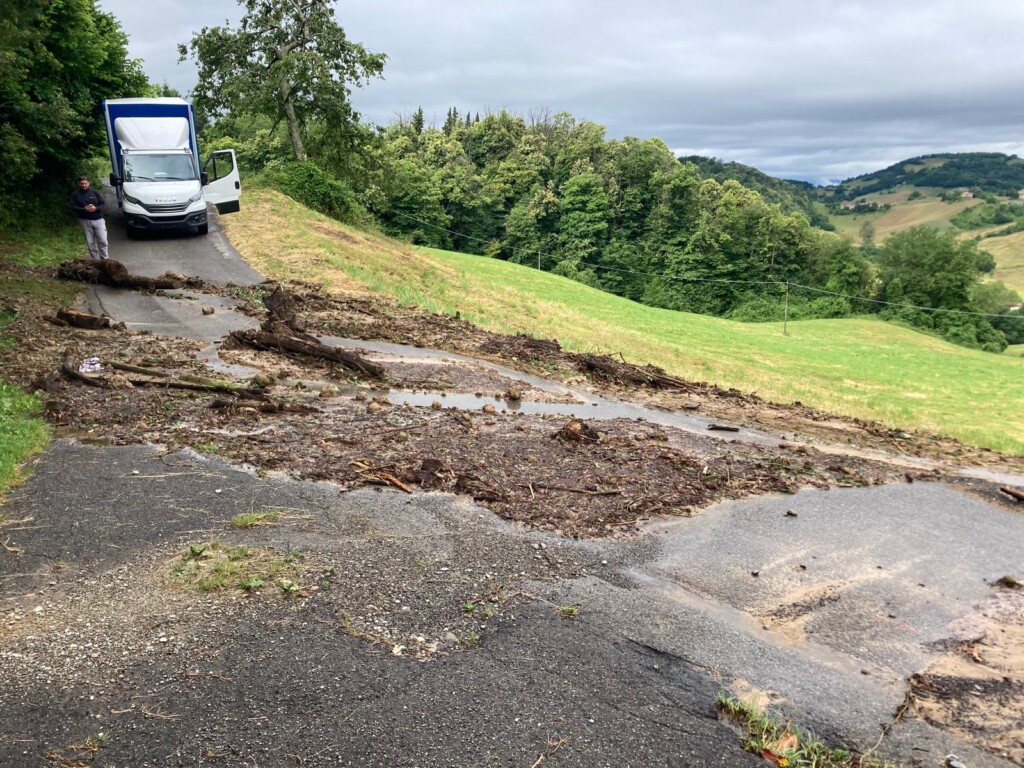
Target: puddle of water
x: 590, y: 406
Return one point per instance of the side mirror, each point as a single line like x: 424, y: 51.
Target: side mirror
x: 204, y: 178
x: 114, y: 181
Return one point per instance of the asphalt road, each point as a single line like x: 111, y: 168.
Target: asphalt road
x: 850, y: 596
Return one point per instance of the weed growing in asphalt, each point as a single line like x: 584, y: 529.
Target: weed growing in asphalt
x: 214, y: 566
x: 208, y: 448
x: 252, y: 519
x: 783, y: 745
x: 568, y: 611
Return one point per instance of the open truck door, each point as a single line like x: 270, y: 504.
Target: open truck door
x: 222, y: 186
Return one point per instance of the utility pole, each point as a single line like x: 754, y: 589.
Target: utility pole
x: 785, y: 313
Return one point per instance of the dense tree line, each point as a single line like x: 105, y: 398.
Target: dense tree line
x: 58, y: 61
x: 981, y: 171
x: 791, y: 196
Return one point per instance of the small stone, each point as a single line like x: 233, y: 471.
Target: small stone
x: 208, y: 310
x: 374, y: 407
x: 436, y: 405
x: 329, y: 390
x: 488, y: 408
x: 755, y: 574
x: 790, y: 513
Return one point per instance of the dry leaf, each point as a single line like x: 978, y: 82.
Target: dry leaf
x: 788, y: 740
x: 774, y: 758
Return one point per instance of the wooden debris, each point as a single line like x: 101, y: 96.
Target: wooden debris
x: 723, y: 428
x: 284, y: 332
x: 1013, y: 493
x: 577, y: 431
x: 116, y: 274
x: 86, y: 320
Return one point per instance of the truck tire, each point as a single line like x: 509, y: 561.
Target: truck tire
x: 203, y: 229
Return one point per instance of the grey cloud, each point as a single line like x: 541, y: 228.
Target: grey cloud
x: 796, y: 88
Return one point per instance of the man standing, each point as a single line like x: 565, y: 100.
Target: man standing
x: 88, y: 206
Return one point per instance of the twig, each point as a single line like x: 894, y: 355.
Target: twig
x: 584, y: 491
x: 12, y: 550
x: 156, y: 714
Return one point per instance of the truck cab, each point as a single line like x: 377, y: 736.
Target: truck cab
x: 155, y: 166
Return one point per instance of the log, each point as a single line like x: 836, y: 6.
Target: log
x: 82, y: 319
x: 1013, y: 493
x: 115, y: 274
x: 723, y: 428
x: 297, y: 346
x: 211, y: 384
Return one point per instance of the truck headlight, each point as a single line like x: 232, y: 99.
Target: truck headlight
x: 195, y: 198
x: 129, y: 199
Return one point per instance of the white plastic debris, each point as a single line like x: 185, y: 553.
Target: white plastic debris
x: 90, y: 365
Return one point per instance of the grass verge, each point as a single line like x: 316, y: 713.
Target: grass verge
x: 782, y: 745
x: 855, y: 367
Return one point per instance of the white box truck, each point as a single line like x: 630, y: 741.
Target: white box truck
x: 154, y: 156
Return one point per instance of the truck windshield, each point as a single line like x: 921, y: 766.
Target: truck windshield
x: 158, y: 168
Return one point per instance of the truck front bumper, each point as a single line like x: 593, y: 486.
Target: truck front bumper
x: 180, y: 221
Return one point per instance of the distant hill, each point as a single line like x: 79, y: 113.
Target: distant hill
x: 791, y: 196
x: 978, y: 171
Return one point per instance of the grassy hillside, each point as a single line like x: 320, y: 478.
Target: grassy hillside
x: 903, y: 214
x: 1009, y: 254
x: 856, y: 367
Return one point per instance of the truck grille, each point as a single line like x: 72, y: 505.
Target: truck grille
x: 170, y: 208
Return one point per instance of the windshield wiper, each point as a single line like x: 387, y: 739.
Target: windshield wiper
x: 179, y: 178
x: 140, y: 178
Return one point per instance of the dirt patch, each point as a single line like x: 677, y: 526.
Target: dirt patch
x: 976, y: 689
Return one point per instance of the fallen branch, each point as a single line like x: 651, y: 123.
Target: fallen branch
x: 1013, y: 493
x: 116, y: 275
x: 84, y: 320
x: 386, y: 478
x: 283, y: 343
x: 213, y: 384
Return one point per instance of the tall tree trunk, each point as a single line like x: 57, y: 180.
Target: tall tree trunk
x: 293, y: 121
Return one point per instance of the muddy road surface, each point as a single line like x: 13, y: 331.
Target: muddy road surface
x: 490, y: 552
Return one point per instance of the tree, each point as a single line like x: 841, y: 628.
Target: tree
x: 290, y: 60
x: 58, y: 61
x: 933, y: 267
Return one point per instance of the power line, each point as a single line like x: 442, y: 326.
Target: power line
x: 679, y: 279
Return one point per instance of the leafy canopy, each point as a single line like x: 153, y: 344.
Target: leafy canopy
x: 290, y: 60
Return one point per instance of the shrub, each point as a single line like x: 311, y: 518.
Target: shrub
x: 310, y: 185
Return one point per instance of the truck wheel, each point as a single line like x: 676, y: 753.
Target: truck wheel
x: 203, y: 229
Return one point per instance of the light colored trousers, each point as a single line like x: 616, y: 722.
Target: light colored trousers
x: 95, y: 237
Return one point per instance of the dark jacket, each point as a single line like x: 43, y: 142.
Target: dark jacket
x: 81, y: 198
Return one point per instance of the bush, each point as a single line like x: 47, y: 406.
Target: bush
x: 310, y: 185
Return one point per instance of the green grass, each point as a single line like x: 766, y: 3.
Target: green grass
x: 22, y: 432
x: 856, y: 367
x: 214, y: 566
x: 253, y: 519
x: 786, y: 745
x: 41, y: 245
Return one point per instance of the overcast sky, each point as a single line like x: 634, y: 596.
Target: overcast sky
x: 810, y: 89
